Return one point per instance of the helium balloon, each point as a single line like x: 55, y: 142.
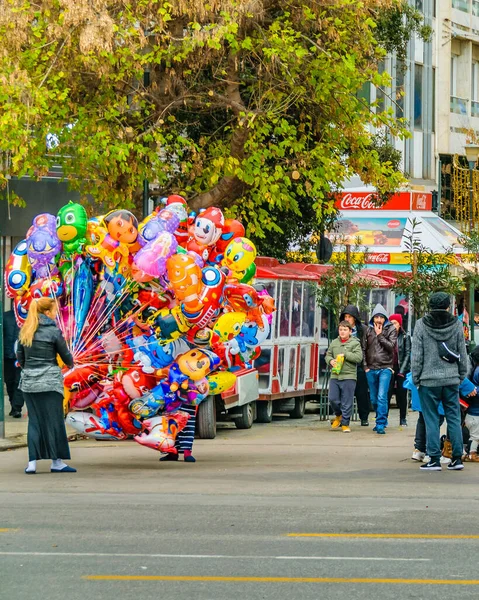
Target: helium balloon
x: 18, y: 271
x: 71, y: 227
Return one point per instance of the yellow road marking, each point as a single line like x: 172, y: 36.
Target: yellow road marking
x: 280, y: 579
x: 7, y: 530
x: 405, y: 536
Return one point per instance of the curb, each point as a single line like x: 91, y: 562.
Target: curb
x: 21, y: 441
x: 12, y: 444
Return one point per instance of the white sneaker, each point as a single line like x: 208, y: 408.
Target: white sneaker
x: 443, y: 460
x: 417, y: 455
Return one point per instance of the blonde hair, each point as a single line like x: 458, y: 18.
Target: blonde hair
x: 38, y: 306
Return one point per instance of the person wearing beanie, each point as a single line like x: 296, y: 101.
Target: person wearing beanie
x: 402, y: 364
x: 439, y: 364
x: 352, y: 316
x: 379, y: 347
x: 343, y: 356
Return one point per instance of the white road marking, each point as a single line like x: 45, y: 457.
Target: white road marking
x: 209, y: 556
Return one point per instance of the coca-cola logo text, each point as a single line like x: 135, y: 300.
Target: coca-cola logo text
x: 351, y: 202
x: 379, y: 258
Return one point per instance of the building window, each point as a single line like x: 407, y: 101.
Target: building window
x: 475, y: 81
x: 461, y: 5
x: 418, y: 96
x: 433, y: 8
x: 380, y: 95
x: 420, y: 5
x: 453, y: 75
x: 433, y: 100
x: 475, y: 8
x: 399, y: 90
x: 475, y: 89
x: 365, y: 93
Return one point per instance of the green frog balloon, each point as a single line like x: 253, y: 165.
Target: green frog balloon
x: 71, y: 227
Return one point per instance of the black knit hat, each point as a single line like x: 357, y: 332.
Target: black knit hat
x: 439, y: 301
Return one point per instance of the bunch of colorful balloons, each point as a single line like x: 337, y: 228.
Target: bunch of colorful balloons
x: 157, y: 314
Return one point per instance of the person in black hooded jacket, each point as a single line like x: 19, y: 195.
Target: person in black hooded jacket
x: 439, y: 364
x: 351, y: 314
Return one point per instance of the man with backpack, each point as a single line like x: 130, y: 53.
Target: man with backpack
x: 439, y: 364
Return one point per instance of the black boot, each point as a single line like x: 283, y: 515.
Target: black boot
x: 169, y: 457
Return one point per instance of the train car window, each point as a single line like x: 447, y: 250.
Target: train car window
x: 292, y: 367
x: 379, y: 297
x: 263, y: 365
x: 302, y: 365
x: 309, y: 310
x: 296, y: 309
x: 281, y: 366
x: 325, y: 323
x: 285, y: 309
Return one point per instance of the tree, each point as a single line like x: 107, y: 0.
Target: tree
x: 343, y: 283
x: 251, y: 105
x: 431, y: 272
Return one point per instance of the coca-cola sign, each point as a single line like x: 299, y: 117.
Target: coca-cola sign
x: 350, y: 201
x: 400, y: 201
x: 421, y: 201
x: 379, y: 258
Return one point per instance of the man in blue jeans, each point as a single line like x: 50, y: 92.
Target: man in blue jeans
x: 380, y: 346
x: 439, y: 364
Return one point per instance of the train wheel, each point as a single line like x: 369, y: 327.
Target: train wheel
x: 299, y: 407
x: 264, y: 411
x: 206, y: 419
x: 246, y: 417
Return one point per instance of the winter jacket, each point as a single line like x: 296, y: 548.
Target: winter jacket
x: 10, y: 334
x: 40, y: 370
x: 428, y: 368
x: 379, y: 349
x: 404, y: 352
x: 353, y: 355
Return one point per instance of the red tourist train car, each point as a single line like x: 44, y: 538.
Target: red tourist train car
x: 289, y: 370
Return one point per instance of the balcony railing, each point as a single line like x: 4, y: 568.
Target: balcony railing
x: 474, y: 109
x: 459, y: 105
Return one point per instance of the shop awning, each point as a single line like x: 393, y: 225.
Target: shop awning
x: 386, y: 231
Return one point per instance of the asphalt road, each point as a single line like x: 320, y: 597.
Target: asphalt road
x: 127, y: 527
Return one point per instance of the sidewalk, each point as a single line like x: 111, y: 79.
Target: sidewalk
x: 16, y: 430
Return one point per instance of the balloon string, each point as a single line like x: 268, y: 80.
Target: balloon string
x: 58, y: 319
x: 102, y: 319
x: 105, y: 314
x: 97, y: 344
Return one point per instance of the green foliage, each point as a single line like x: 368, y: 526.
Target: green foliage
x: 431, y: 272
x: 343, y: 283
x: 250, y: 105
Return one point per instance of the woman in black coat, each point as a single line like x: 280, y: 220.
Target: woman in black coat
x: 41, y: 382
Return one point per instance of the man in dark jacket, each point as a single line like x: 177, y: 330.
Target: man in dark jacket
x: 402, y: 366
x: 11, y: 370
x: 379, y: 348
x: 352, y: 316
x: 439, y: 364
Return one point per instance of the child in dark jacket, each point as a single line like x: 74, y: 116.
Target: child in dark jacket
x: 343, y: 355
